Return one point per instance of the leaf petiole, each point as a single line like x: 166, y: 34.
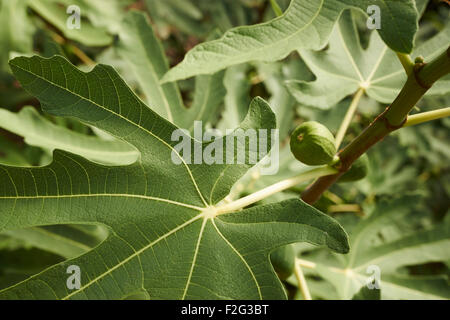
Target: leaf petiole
x: 406, y: 62
x: 276, y: 8
x: 275, y: 188
x: 348, y: 117
x: 427, y: 116
x: 301, y: 280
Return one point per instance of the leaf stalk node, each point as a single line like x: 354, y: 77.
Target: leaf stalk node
x: 416, y: 70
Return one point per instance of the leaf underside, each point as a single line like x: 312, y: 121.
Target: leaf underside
x: 345, y: 67
x: 381, y: 242
x: 163, y: 242
x: 305, y: 25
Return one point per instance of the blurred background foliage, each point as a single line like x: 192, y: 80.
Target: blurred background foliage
x: 409, y: 171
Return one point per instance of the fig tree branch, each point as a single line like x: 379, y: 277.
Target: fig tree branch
x: 419, y: 81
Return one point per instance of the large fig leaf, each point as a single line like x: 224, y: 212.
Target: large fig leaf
x: 56, y: 14
x: 67, y: 241
x: 168, y: 237
x: 16, y: 32
x: 346, y: 66
x: 305, y: 24
x: 139, y: 46
x: 41, y: 132
x: 383, y: 242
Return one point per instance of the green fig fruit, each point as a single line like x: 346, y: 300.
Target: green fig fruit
x: 357, y: 171
x: 283, y: 261
x: 313, y: 144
